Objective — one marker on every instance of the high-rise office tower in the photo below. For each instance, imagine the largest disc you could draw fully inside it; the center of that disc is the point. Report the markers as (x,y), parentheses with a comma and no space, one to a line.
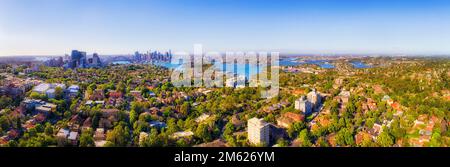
(77,59)
(137,56)
(96,60)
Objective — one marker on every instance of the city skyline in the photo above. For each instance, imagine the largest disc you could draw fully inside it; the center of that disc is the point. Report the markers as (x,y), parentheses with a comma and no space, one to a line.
(48,27)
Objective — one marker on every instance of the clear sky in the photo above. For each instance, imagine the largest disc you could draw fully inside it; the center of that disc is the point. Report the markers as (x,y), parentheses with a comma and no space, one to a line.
(54,27)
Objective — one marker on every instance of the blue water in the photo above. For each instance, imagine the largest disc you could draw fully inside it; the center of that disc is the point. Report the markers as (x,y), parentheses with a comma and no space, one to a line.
(285,62)
(239,69)
(358,64)
(244,69)
(121,62)
(250,70)
(167,65)
(321,63)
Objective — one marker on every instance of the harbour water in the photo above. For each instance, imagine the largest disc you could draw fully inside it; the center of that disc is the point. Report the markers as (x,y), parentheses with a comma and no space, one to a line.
(359,64)
(326,64)
(247,69)
(121,62)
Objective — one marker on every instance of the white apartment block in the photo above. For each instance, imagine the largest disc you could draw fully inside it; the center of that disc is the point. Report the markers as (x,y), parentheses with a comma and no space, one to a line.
(258,131)
(303,105)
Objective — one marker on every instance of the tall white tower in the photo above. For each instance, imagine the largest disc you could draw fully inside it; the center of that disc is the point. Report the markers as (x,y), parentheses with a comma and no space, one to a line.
(258,131)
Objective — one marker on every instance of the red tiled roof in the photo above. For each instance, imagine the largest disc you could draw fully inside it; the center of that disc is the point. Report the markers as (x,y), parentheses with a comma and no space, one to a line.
(435,119)
(422,117)
(87,122)
(110,110)
(447,97)
(28,125)
(361,136)
(425,138)
(20,109)
(12,134)
(294,116)
(115,94)
(40,117)
(332,139)
(396,106)
(74,119)
(3,141)
(298,91)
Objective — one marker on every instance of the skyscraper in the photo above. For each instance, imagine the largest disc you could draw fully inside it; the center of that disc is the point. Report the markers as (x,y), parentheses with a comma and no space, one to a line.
(137,56)
(74,59)
(77,59)
(60,61)
(96,60)
(83,60)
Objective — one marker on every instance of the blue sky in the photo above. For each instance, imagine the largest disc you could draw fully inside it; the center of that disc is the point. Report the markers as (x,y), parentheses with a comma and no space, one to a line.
(54,27)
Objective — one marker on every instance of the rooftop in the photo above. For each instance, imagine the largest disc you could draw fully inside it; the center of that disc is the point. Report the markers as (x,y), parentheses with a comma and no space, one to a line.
(73,136)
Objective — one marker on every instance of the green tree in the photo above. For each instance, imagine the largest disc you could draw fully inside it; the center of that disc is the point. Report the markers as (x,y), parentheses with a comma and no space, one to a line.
(172,126)
(435,139)
(48,129)
(153,140)
(322,142)
(59,93)
(385,139)
(334,108)
(133,117)
(282,143)
(202,133)
(229,130)
(185,109)
(304,138)
(86,139)
(295,129)
(121,87)
(35,95)
(396,130)
(119,136)
(182,143)
(4,122)
(5,102)
(345,137)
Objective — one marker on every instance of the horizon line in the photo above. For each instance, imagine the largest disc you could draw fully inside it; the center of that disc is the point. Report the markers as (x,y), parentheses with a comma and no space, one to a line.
(281,54)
